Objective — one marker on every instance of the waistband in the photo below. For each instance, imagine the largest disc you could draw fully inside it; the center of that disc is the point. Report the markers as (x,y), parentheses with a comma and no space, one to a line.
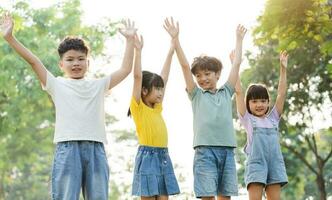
(153,149)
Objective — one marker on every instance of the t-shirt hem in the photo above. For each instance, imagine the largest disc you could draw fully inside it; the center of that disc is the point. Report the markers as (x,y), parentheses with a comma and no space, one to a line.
(80,139)
(215,145)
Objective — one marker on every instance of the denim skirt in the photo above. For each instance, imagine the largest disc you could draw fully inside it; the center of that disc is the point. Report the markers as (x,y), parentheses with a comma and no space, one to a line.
(153,173)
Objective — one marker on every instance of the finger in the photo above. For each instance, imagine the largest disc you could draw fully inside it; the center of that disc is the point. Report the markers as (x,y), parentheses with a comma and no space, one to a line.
(172,21)
(124,22)
(142,41)
(166,28)
(177,26)
(167,22)
(121,31)
(129,23)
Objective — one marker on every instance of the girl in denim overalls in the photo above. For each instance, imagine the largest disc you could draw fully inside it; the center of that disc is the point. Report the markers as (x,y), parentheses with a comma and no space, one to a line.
(154,177)
(265,167)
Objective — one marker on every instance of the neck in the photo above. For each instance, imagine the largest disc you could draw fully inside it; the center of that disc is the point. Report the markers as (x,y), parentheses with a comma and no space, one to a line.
(151,105)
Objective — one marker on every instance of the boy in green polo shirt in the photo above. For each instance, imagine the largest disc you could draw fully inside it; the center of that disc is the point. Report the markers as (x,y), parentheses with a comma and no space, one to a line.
(214,138)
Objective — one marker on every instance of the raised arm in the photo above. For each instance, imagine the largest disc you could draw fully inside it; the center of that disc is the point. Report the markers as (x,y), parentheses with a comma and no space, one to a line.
(128,32)
(173,31)
(282,86)
(6,26)
(233,76)
(239,96)
(137,69)
(167,65)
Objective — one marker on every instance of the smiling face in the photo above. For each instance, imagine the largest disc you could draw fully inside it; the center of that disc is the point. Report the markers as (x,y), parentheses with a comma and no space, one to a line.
(206,70)
(74,64)
(207,79)
(154,96)
(257,100)
(259,107)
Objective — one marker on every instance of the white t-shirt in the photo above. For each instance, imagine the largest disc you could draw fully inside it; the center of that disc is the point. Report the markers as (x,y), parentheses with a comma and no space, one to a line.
(79,107)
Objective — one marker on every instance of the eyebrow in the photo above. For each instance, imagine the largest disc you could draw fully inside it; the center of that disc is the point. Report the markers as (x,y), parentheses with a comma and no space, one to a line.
(74,57)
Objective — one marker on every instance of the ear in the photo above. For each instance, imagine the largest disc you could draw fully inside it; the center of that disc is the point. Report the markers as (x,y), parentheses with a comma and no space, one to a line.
(88,65)
(60,64)
(145,91)
(218,75)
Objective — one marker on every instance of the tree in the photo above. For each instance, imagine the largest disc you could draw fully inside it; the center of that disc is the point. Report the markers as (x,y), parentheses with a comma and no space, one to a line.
(304,28)
(26,112)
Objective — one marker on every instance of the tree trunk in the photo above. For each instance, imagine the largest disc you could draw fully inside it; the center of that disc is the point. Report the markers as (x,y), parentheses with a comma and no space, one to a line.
(321,184)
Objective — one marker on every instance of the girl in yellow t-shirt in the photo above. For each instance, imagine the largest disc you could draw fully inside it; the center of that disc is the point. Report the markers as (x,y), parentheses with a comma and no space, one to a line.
(154,177)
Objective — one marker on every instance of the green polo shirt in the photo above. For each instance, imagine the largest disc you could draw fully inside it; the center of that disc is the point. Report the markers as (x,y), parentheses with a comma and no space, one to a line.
(213,117)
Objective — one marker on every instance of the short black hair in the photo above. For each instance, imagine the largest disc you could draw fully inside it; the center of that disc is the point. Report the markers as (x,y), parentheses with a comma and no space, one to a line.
(206,63)
(256,91)
(72,43)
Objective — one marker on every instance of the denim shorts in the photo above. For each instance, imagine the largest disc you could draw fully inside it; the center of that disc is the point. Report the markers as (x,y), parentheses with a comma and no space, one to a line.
(153,173)
(214,172)
(79,165)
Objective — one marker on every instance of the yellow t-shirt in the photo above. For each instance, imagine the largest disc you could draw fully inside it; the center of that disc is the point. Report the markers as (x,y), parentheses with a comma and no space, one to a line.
(150,126)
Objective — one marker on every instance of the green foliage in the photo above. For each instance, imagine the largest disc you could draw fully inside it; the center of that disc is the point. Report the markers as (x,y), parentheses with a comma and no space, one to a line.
(26,112)
(304,29)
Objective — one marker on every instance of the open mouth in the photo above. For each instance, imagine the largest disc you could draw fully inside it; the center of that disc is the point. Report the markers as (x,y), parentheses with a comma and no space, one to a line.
(76,70)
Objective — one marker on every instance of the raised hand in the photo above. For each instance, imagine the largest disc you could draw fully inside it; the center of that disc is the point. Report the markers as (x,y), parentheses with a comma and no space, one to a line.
(283,59)
(129,29)
(138,42)
(171,27)
(6,25)
(232,56)
(240,32)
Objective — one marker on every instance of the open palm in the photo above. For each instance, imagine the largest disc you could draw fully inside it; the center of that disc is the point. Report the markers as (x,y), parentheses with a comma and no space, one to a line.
(129,29)
(283,59)
(6,25)
(171,28)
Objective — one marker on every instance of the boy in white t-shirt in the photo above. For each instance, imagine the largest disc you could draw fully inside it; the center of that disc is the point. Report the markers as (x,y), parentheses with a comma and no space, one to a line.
(79,161)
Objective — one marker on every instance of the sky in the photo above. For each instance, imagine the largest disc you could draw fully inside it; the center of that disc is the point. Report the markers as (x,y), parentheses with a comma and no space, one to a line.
(206,27)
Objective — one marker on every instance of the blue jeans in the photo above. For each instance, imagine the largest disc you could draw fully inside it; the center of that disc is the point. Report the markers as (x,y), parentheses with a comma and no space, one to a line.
(215,172)
(80,165)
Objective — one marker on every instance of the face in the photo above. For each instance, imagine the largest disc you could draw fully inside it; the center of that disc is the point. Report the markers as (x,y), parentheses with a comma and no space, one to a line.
(258,107)
(74,64)
(153,97)
(206,79)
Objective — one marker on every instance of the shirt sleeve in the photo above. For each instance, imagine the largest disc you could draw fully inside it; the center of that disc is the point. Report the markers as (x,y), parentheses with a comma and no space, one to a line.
(229,88)
(274,114)
(193,93)
(245,120)
(106,83)
(50,83)
(134,107)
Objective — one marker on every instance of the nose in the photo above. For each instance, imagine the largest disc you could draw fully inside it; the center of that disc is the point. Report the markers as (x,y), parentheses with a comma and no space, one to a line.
(76,62)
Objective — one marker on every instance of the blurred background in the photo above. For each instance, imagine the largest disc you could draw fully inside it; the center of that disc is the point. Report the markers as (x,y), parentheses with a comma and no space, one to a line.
(302,27)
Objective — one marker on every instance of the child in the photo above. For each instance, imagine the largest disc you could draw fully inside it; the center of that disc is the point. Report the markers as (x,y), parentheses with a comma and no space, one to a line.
(214,138)
(80,161)
(265,168)
(154,178)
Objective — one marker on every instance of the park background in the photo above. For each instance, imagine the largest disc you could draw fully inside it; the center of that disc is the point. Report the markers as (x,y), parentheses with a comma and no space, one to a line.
(302,27)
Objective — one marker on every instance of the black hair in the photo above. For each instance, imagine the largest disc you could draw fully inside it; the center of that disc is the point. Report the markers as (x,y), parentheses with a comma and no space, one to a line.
(206,63)
(256,91)
(72,43)
(149,81)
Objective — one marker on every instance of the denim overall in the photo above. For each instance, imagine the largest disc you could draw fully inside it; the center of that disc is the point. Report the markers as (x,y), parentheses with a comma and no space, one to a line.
(265,163)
